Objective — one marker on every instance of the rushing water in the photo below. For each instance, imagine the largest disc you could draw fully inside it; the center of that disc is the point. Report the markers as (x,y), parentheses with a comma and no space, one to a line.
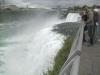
(27,44)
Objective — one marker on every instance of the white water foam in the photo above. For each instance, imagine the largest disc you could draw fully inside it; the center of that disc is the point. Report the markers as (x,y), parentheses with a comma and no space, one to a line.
(35,55)
(29,53)
(73,17)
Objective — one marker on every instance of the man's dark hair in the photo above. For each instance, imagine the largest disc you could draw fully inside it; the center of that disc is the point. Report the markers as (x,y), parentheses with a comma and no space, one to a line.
(84,7)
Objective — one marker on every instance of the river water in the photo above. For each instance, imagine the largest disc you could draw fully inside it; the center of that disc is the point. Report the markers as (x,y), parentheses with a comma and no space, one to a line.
(27,43)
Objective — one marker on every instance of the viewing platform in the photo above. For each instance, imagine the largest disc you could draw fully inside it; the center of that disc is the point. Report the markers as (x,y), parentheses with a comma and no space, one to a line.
(90,60)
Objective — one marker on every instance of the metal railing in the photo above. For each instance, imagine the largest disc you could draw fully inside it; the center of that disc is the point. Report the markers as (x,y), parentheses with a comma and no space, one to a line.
(71,66)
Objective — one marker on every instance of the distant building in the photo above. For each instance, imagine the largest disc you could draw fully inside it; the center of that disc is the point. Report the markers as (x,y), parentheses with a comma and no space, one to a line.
(10,7)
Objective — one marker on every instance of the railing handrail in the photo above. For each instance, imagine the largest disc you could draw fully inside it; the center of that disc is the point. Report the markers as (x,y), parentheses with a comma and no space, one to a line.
(74,54)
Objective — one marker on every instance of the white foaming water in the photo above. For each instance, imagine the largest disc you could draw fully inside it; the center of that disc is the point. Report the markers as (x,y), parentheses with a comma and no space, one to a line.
(31,50)
(73,17)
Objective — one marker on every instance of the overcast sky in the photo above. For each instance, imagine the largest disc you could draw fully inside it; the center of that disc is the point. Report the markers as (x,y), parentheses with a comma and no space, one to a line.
(53,3)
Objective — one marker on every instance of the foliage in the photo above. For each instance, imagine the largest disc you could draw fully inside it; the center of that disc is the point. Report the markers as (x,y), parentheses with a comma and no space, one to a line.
(61,57)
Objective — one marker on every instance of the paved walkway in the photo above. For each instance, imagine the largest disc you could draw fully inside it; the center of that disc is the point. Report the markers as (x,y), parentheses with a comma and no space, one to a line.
(90,60)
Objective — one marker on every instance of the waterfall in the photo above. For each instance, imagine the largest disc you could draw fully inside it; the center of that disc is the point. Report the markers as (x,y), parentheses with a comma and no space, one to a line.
(27,43)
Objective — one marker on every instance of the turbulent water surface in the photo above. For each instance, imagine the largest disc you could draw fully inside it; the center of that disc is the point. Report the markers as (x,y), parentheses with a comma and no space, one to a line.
(27,43)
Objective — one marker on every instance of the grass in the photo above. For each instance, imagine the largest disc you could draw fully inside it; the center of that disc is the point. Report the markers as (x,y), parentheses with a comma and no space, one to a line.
(61,57)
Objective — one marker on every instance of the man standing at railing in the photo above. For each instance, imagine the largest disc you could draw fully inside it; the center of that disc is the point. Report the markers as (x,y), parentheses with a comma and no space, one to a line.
(91,27)
(85,17)
(89,24)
